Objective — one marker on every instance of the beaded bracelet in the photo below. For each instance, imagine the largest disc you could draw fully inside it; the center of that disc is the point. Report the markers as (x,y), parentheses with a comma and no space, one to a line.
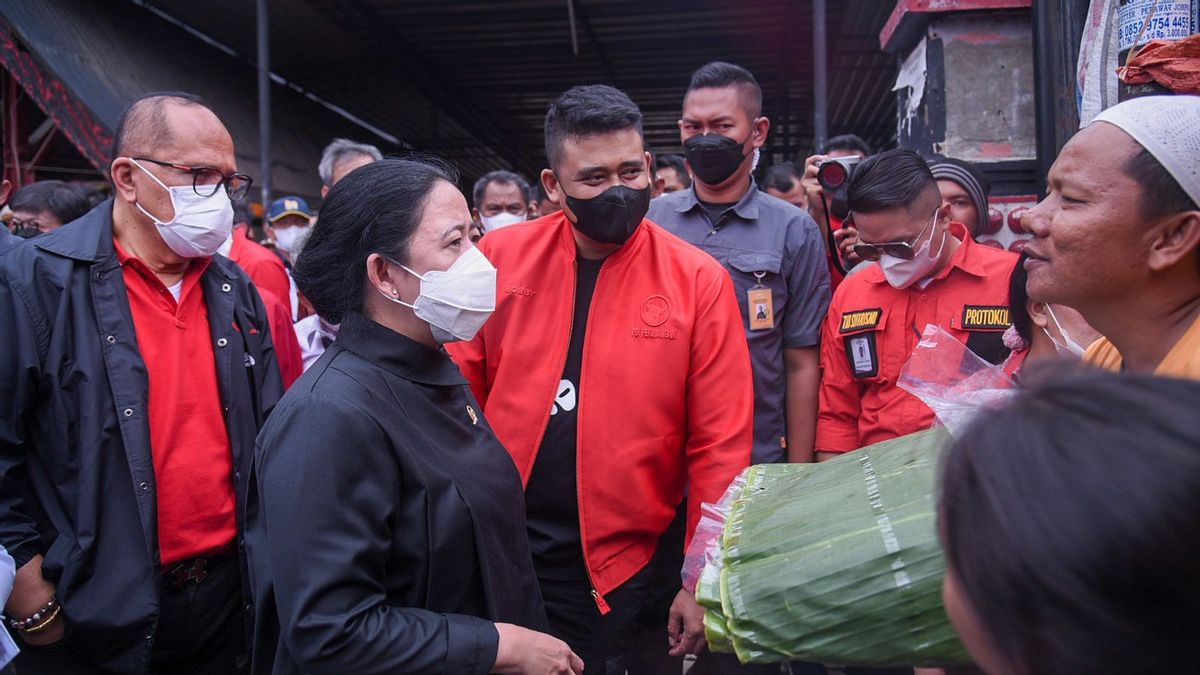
(33,630)
(38,619)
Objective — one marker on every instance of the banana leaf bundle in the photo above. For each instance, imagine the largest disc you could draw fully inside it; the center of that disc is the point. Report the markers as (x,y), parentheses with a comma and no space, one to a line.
(836,562)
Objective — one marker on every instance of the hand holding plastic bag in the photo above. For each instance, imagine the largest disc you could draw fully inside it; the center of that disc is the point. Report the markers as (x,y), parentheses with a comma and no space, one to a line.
(952,380)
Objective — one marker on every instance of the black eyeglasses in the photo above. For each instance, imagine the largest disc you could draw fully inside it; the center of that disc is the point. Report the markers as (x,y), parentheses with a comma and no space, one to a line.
(206,180)
(903,250)
(26,229)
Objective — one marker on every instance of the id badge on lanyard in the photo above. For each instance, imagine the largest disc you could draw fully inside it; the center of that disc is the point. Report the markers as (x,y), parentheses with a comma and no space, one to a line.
(759,307)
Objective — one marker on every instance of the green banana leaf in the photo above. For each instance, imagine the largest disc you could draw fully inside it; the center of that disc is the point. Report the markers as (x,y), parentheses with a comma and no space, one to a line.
(836,562)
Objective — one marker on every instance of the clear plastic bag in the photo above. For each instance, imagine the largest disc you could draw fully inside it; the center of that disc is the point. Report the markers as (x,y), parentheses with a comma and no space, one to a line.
(705,547)
(952,380)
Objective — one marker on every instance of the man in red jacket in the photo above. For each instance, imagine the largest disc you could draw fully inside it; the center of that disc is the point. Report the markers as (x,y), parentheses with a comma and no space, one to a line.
(616,372)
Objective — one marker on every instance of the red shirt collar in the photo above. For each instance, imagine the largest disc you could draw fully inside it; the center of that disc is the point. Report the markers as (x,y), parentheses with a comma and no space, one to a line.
(196,266)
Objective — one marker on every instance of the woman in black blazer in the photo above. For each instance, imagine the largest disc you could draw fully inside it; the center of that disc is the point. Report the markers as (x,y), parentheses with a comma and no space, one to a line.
(386,525)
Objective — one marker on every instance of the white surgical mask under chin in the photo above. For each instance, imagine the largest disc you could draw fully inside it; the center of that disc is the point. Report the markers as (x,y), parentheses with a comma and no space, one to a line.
(1067,345)
(455,302)
(199,225)
(901,273)
(500,220)
(289,239)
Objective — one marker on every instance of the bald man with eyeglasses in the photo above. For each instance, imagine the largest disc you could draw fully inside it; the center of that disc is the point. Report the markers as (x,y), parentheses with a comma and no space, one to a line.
(136,368)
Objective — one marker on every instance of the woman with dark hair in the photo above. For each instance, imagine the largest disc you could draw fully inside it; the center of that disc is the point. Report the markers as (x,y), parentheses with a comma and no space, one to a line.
(1069,521)
(386,524)
(1040,331)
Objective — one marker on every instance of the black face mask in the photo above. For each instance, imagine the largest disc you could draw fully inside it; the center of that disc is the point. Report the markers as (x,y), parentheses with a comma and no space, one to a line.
(714,157)
(611,216)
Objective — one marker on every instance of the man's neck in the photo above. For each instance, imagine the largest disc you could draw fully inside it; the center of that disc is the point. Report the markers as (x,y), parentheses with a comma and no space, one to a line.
(138,237)
(949,248)
(729,192)
(1146,325)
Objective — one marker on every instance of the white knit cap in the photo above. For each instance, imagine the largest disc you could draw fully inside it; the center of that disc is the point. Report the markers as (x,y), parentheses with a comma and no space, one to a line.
(1169,128)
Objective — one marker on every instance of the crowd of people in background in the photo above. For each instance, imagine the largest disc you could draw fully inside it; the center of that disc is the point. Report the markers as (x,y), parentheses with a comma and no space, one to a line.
(402,432)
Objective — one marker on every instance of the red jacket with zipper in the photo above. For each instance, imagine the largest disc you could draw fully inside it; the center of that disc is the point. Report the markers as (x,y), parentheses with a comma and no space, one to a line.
(667,399)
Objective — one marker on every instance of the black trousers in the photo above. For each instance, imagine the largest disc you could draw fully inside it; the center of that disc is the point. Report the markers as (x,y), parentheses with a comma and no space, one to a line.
(602,641)
(200,632)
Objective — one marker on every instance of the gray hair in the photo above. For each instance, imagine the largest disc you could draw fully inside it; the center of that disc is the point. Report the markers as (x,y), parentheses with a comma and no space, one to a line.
(340,149)
(504,178)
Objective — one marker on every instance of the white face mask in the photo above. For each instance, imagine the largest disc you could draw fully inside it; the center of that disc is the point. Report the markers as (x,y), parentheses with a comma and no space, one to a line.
(199,225)
(457,301)
(1067,345)
(500,220)
(901,273)
(290,239)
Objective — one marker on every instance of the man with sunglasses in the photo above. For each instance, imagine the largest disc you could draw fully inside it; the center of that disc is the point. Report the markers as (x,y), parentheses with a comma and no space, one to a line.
(926,270)
(136,368)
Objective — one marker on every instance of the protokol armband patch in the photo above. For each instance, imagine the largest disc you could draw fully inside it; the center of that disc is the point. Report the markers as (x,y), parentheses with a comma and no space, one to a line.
(985,317)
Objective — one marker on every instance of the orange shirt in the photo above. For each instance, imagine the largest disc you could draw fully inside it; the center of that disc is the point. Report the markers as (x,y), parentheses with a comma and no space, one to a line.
(872,329)
(1182,361)
(189,444)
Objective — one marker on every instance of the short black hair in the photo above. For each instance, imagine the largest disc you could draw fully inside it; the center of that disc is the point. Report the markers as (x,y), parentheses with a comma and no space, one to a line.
(504,178)
(1070,518)
(845,142)
(782,177)
(144,121)
(374,209)
(585,111)
(1161,193)
(888,180)
(1018,301)
(677,163)
(55,196)
(719,74)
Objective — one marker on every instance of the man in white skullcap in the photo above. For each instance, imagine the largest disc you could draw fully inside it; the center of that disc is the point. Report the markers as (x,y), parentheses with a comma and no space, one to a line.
(1118,235)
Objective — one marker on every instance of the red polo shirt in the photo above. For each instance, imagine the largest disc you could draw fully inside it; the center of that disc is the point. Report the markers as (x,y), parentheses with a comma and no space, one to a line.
(189,445)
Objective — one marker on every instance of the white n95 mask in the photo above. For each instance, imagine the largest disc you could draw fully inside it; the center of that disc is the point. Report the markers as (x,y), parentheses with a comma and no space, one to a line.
(901,273)
(503,219)
(199,225)
(289,239)
(455,302)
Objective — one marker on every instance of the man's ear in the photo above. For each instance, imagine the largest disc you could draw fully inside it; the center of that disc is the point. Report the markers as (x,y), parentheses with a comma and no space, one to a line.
(5,189)
(1177,240)
(475,215)
(550,183)
(122,178)
(761,127)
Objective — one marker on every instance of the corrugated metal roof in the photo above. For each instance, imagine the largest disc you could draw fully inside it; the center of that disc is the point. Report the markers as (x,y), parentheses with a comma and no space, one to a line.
(489,69)
(467,80)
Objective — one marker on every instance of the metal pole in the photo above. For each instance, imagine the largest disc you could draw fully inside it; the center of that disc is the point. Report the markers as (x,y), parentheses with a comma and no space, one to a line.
(820,75)
(264,102)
